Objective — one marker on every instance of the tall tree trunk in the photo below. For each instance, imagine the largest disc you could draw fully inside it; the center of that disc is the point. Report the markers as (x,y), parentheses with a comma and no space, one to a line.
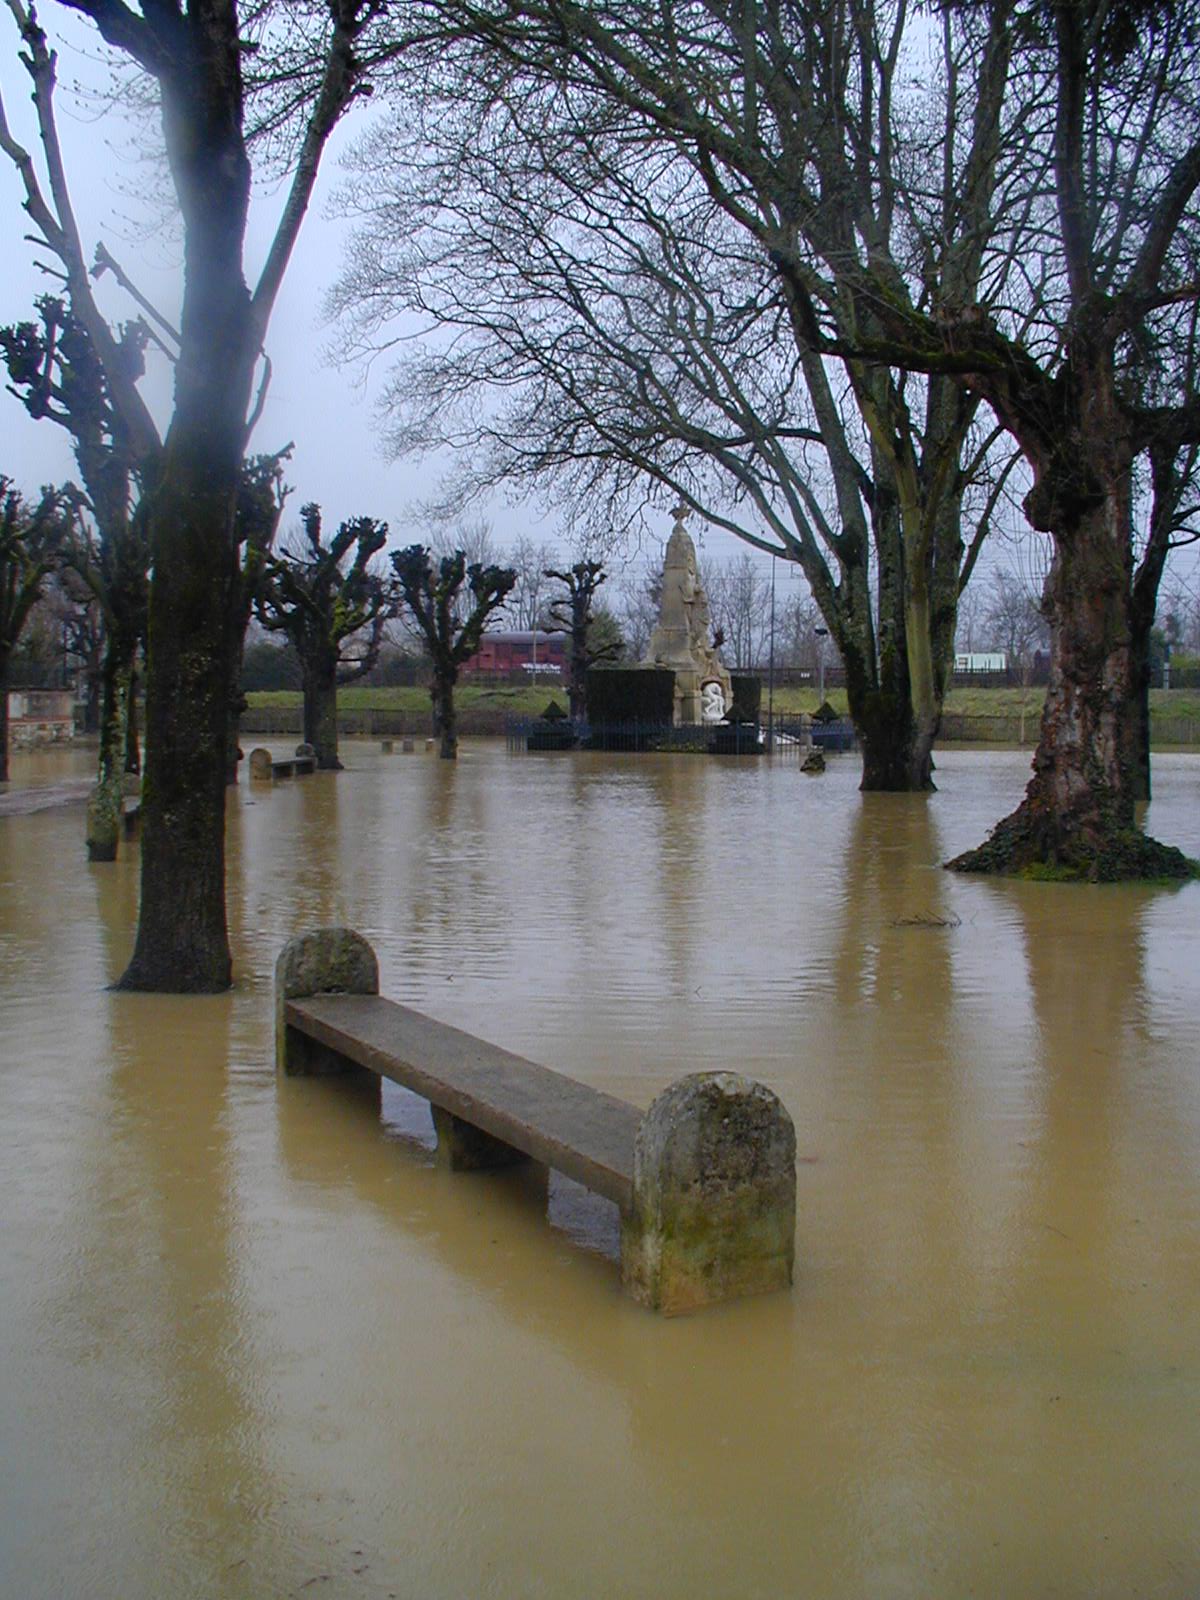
(1140,630)
(896,757)
(182,941)
(445,719)
(233,734)
(133,746)
(1168,484)
(91,703)
(104,804)
(1077,817)
(320,710)
(239,621)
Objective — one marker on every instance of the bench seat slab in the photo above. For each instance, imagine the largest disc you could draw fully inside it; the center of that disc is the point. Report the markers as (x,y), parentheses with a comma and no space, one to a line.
(570,1126)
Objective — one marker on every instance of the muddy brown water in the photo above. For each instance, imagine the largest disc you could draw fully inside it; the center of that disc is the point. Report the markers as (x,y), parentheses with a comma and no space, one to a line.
(253,1344)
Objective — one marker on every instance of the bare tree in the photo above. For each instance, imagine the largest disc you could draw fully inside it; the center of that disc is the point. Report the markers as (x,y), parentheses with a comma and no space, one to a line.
(201,59)
(739,598)
(1096,373)
(797,640)
(31,539)
(332,606)
(528,604)
(626,223)
(636,609)
(576,612)
(449,602)
(54,369)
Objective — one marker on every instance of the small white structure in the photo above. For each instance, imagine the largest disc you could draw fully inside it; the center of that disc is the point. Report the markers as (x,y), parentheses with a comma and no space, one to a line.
(981,661)
(40,716)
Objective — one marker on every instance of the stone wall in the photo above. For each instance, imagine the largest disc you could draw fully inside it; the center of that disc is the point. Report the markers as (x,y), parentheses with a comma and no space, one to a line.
(40,716)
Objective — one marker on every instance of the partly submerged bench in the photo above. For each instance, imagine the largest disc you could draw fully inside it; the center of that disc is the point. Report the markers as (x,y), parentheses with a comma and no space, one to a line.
(705,1179)
(264,765)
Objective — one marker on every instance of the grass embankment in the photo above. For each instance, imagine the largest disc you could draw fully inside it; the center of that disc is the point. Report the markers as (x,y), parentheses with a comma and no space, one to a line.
(991,702)
(521,701)
(531,700)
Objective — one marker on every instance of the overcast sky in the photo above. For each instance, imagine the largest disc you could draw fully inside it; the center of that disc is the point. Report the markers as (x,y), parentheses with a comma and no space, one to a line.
(328,413)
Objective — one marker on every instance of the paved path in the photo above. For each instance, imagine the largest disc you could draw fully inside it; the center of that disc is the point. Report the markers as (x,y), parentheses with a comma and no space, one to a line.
(20,802)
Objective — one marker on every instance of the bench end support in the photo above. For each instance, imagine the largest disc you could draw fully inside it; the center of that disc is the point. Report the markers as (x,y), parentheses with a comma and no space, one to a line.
(322,961)
(462,1147)
(714,1195)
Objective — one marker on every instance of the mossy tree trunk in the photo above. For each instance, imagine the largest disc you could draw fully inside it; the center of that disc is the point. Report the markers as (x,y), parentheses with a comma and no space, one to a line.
(133,737)
(182,940)
(445,716)
(319,681)
(1077,819)
(116,694)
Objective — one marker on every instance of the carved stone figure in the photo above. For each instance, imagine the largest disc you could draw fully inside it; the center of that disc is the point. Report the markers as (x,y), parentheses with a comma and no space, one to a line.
(712,701)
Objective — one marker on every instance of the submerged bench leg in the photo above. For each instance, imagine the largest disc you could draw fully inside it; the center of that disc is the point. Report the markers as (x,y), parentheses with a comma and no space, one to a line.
(462,1147)
(323,961)
(714,1195)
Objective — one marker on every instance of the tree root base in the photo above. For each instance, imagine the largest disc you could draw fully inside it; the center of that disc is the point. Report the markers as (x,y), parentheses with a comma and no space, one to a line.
(1016,850)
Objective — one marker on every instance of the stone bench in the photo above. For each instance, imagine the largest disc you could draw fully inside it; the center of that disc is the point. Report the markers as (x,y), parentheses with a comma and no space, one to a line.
(705,1179)
(264,765)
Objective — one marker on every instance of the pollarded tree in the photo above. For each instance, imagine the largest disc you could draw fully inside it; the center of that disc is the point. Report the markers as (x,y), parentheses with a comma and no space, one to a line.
(575,611)
(31,539)
(54,369)
(449,603)
(202,60)
(333,609)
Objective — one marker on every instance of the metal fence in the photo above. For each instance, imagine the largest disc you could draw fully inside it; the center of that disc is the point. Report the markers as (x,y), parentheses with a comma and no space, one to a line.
(777,735)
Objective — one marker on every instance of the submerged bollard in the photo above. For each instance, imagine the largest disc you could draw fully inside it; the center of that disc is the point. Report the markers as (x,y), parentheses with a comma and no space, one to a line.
(260,763)
(407,747)
(307,751)
(714,1195)
(386,746)
(323,961)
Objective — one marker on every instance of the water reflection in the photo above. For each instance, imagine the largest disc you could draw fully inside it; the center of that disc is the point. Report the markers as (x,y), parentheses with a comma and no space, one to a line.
(254,1342)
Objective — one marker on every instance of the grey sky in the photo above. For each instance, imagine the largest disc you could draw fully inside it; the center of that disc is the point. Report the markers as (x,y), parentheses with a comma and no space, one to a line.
(326,412)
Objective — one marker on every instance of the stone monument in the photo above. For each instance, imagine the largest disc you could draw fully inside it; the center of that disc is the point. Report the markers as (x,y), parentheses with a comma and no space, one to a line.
(682,638)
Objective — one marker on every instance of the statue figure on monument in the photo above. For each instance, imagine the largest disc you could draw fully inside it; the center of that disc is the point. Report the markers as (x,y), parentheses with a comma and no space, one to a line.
(712,701)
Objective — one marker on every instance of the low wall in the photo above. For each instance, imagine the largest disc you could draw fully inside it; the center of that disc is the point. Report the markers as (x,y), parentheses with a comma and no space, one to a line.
(39,717)
(281,720)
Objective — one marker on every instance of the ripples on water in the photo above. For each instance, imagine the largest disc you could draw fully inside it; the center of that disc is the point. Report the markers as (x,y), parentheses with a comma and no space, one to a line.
(255,1343)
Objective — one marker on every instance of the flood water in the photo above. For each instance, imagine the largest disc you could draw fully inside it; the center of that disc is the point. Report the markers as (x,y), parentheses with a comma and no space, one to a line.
(252,1342)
